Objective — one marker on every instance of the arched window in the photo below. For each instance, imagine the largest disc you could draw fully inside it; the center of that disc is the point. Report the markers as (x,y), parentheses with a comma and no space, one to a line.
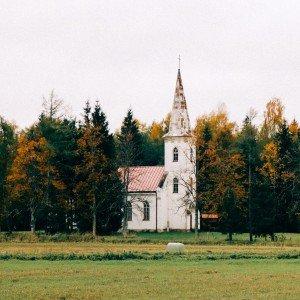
(129,211)
(191,155)
(146,211)
(175,185)
(175,154)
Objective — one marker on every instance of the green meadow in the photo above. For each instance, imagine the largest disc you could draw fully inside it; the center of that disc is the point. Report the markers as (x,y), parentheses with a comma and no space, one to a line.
(168,279)
(137,266)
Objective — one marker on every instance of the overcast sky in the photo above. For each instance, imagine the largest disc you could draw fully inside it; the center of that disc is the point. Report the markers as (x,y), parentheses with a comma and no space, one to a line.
(124,53)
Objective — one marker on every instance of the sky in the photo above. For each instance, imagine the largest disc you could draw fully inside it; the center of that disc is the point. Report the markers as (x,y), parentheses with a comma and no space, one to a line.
(124,54)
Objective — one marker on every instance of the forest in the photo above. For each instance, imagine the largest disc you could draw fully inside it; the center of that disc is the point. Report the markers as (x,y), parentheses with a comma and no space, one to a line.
(62,174)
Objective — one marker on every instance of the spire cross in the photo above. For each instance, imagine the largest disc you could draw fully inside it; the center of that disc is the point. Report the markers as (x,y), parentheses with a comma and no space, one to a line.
(179,60)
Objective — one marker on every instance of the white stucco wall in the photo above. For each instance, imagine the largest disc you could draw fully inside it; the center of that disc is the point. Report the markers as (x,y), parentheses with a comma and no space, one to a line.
(184,170)
(137,222)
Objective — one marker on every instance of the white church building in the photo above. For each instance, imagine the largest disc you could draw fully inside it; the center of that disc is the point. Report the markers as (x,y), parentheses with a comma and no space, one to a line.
(161,198)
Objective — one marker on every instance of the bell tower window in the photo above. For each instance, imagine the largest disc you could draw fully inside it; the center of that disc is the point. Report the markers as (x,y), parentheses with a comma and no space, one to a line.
(175,154)
(175,185)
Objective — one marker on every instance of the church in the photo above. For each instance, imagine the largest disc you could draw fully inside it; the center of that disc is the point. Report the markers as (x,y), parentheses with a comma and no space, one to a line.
(161,198)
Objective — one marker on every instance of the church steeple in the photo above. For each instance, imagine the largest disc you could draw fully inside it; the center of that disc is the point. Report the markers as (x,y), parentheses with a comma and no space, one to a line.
(179,122)
(179,98)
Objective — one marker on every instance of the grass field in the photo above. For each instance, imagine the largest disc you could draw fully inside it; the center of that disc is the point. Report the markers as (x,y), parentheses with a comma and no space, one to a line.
(150,279)
(210,268)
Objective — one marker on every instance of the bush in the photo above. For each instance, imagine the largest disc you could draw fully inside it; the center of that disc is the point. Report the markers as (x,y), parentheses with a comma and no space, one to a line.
(205,238)
(144,256)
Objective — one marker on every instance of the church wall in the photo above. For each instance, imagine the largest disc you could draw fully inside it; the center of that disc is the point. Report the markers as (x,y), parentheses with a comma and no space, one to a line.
(137,222)
(184,170)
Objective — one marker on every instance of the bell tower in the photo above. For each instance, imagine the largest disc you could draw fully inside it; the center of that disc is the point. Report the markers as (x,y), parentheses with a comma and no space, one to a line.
(179,160)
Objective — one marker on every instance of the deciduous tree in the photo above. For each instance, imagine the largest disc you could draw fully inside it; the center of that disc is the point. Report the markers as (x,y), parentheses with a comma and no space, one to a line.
(30,174)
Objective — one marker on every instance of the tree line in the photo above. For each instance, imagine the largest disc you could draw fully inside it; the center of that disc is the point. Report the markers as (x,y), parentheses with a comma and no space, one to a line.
(249,174)
(61,174)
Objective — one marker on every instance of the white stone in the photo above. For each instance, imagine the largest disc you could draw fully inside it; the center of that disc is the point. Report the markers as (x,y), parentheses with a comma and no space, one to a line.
(175,248)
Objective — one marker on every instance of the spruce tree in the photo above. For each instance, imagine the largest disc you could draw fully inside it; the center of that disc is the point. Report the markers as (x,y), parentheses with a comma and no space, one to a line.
(8,142)
(230,215)
(249,148)
(287,187)
(129,142)
(129,147)
(61,135)
(98,188)
(204,162)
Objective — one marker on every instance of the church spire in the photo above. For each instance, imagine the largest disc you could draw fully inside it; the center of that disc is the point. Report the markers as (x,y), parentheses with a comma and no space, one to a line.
(179,122)
(179,98)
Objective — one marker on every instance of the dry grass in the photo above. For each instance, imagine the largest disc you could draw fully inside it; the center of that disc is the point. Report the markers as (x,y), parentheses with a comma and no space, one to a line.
(94,247)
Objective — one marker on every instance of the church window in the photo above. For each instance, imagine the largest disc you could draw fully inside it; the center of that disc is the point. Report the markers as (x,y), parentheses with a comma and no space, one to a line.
(175,154)
(191,155)
(129,211)
(175,185)
(146,211)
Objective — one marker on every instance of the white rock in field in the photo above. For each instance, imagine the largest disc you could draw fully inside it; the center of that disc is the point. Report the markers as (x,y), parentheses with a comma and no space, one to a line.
(175,248)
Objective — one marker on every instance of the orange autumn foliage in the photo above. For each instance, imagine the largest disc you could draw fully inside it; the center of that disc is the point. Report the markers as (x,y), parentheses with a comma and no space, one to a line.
(223,167)
(31,172)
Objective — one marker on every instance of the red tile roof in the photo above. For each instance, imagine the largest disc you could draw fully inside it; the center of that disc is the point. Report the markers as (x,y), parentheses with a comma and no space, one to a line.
(144,178)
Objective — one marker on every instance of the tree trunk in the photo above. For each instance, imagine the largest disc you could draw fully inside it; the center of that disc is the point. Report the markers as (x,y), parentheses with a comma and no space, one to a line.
(125,221)
(70,216)
(32,221)
(197,195)
(272,235)
(250,203)
(94,217)
(200,220)
(230,236)
(196,221)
